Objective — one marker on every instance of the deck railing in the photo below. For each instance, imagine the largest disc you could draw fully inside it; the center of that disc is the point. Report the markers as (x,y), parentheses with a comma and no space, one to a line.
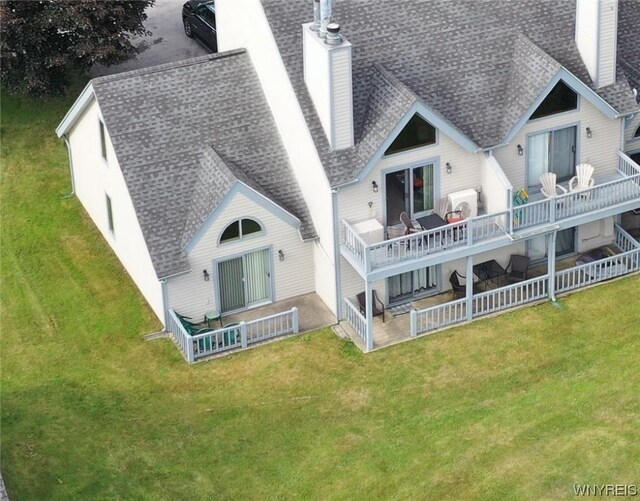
(437,317)
(422,243)
(272,326)
(356,320)
(512,295)
(232,337)
(625,241)
(532,214)
(598,271)
(180,335)
(626,166)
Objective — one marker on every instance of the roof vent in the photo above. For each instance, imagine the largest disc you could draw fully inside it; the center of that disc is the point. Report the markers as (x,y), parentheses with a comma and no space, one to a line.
(333,34)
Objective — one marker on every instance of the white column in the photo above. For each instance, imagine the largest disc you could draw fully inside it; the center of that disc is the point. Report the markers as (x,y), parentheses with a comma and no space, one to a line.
(551,265)
(369,315)
(469,286)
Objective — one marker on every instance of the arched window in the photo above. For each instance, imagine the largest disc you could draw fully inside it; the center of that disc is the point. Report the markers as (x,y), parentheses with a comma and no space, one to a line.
(637,134)
(240,228)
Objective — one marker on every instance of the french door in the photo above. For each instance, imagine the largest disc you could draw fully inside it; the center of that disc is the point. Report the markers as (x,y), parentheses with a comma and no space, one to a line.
(413,284)
(552,151)
(409,190)
(244,281)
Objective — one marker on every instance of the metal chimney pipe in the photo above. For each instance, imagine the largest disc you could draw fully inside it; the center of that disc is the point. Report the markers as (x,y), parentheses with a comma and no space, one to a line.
(333,34)
(325,16)
(316,16)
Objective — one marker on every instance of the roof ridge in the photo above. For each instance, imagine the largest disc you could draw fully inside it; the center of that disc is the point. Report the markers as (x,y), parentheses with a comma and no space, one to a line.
(168,66)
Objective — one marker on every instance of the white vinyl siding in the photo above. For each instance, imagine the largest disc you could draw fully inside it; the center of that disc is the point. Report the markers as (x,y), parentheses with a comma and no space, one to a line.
(599,150)
(191,295)
(92,184)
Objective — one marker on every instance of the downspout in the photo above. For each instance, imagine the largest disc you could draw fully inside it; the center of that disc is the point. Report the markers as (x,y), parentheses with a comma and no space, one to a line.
(336,250)
(73,183)
(165,301)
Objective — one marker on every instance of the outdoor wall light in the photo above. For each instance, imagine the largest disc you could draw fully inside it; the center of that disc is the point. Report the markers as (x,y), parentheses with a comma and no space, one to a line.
(205,275)
(449,168)
(520,150)
(374,185)
(281,255)
(589,133)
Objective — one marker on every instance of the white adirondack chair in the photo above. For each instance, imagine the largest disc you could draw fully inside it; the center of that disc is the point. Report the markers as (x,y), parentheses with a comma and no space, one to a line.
(582,180)
(549,187)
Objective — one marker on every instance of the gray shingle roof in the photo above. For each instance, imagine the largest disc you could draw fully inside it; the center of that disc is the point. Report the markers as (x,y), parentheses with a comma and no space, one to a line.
(183,134)
(466,59)
(629,40)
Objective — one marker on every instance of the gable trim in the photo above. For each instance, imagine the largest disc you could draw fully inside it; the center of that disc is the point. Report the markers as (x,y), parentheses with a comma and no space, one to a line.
(442,126)
(240,188)
(574,84)
(76,110)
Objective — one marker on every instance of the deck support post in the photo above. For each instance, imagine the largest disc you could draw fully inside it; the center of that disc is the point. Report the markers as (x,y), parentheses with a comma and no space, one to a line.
(551,265)
(469,288)
(369,315)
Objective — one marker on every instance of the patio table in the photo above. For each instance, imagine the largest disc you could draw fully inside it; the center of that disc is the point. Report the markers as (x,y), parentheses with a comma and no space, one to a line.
(489,271)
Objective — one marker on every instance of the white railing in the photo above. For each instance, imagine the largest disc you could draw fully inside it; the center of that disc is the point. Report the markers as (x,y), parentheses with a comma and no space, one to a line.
(625,241)
(354,242)
(356,320)
(234,336)
(532,214)
(597,198)
(212,342)
(510,296)
(423,243)
(180,336)
(436,317)
(626,166)
(598,271)
(272,326)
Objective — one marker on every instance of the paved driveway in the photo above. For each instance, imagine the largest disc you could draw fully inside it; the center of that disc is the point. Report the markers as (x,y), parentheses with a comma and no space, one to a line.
(167,42)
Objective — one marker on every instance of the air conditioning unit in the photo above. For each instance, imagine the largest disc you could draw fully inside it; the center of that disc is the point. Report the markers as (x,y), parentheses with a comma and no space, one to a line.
(465,201)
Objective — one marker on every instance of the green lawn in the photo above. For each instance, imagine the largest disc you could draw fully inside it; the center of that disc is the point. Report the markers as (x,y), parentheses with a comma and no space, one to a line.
(516,407)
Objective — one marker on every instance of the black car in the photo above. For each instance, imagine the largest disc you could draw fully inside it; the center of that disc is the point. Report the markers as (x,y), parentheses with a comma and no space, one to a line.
(199,20)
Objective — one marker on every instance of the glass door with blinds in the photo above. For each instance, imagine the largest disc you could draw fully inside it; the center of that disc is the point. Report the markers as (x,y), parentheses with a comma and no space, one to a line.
(551,151)
(412,285)
(409,190)
(245,281)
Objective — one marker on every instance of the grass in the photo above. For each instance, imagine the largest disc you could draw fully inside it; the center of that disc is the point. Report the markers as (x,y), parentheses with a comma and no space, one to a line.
(516,407)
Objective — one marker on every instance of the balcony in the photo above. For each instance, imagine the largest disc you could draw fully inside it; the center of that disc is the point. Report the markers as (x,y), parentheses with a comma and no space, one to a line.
(500,228)
(437,312)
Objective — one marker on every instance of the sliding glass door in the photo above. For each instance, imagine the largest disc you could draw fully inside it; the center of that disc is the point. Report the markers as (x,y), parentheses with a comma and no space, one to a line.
(409,190)
(565,244)
(412,285)
(244,281)
(552,151)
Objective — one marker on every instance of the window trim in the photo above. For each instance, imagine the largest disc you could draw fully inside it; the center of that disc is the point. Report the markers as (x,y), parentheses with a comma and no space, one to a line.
(103,139)
(240,236)
(636,134)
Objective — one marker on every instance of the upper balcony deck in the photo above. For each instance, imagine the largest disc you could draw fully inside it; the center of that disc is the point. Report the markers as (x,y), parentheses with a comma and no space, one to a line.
(497,229)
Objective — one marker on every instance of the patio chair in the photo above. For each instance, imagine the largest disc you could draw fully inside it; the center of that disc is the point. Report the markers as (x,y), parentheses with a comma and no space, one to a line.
(582,180)
(378,307)
(517,268)
(410,225)
(460,290)
(549,187)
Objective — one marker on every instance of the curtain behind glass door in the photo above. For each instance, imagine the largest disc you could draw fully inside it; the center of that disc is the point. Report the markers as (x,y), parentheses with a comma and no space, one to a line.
(231,284)
(258,276)
(537,157)
(423,188)
(563,153)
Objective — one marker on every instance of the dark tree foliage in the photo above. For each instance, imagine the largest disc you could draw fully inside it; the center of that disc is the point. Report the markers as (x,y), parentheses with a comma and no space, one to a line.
(41,41)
